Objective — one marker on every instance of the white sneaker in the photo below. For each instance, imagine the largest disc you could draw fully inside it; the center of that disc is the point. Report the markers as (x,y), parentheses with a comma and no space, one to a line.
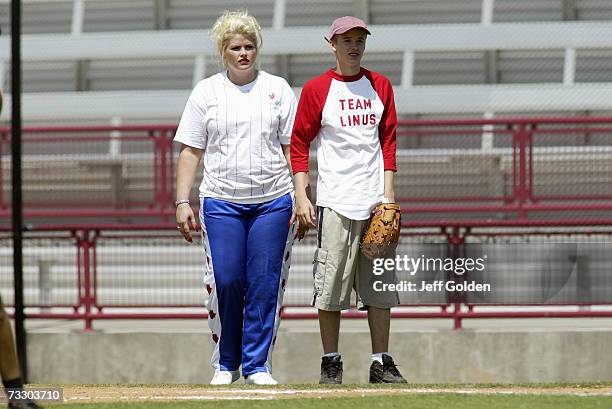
(225,377)
(261,378)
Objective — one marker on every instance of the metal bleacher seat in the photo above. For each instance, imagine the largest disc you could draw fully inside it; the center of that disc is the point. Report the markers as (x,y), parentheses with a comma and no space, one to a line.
(193,14)
(425,12)
(39,17)
(316,12)
(95,181)
(430,67)
(541,10)
(444,176)
(114,15)
(139,74)
(442,81)
(595,10)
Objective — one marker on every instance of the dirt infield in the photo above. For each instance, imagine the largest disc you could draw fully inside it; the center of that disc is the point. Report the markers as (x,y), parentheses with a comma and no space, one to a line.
(119,393)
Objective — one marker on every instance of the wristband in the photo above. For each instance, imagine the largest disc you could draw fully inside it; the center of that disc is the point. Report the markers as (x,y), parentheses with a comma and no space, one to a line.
(181,201)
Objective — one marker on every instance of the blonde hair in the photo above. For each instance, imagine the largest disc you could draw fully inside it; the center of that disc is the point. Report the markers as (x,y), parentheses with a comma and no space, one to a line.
(234,22)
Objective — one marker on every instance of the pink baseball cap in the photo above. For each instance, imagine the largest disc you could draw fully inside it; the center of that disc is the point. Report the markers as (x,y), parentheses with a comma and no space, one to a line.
(344,24)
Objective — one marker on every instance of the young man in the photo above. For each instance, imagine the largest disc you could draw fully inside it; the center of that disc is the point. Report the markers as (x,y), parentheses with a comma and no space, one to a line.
(351,113)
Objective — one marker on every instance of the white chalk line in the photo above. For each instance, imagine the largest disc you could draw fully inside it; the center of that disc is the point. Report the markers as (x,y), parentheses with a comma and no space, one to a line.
(270,394)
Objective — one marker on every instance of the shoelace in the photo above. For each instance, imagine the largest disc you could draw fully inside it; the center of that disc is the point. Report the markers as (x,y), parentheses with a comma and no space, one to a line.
(393,369)
(333,369)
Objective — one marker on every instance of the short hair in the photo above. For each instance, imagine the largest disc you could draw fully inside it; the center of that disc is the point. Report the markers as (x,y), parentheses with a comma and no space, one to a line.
(233,22)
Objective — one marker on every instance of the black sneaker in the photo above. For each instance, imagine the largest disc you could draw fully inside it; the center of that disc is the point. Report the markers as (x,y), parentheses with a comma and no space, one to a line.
(23,404)
(331,370)
(386,372)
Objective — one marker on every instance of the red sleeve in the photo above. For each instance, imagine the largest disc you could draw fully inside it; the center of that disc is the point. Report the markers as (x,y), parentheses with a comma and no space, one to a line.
(307,121)
(388,123)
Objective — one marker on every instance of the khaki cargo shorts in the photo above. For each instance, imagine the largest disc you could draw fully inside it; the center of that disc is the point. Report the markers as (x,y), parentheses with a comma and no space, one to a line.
(339,267)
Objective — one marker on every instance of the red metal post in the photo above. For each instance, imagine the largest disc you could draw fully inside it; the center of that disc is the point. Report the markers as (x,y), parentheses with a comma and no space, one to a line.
(530,162)
(457,316)
(515,183)
(522,170)
(94,266)
(79,244)
(163,167)
(155,170)
(455,243)
(2,140)
(87,279)
(169,136)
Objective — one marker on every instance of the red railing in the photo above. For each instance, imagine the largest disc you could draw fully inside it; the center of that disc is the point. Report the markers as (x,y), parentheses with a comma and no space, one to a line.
(520,148)
(88,305)
(523,200)
(155,140)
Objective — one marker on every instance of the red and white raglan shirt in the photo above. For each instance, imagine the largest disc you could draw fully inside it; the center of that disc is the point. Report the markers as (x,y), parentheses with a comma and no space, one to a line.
(354,121)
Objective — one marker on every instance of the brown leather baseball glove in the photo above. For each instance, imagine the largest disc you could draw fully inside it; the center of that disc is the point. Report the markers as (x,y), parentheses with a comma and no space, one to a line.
(382,234)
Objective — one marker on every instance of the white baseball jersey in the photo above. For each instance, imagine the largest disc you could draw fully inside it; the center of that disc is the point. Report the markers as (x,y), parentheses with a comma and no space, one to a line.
(241,129)
(354,121)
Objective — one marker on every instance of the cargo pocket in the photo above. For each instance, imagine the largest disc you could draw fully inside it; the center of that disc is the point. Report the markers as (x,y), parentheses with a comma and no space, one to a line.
(320,261)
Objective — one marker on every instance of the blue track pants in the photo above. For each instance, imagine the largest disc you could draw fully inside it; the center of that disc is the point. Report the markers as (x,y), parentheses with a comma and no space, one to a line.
(248,250)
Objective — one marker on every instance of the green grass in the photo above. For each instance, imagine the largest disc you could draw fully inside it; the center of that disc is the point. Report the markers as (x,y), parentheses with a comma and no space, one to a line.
(487,397)
(309,386)
(422,401)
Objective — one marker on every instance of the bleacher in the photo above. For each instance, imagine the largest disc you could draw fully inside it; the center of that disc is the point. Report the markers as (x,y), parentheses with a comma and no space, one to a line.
(82,49)
(135,62)
(112,61)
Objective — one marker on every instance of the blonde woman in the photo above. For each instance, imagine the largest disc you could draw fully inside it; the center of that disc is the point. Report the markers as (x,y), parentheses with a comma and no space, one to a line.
(239,121)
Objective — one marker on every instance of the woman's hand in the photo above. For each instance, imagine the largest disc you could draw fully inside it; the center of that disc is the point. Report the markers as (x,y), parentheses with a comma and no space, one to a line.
(185,216)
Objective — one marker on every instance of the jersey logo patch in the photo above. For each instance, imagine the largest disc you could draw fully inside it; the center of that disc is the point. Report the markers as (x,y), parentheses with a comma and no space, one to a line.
(272,95)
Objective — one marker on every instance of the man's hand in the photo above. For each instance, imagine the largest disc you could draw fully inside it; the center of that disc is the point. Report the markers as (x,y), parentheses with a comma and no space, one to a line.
(304,212)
